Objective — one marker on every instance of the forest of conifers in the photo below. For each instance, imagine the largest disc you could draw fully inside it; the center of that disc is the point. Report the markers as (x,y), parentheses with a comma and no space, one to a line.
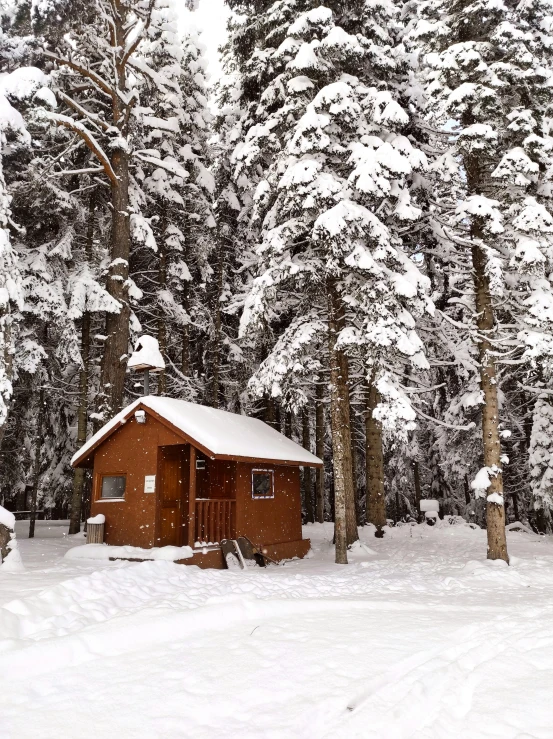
(350,237)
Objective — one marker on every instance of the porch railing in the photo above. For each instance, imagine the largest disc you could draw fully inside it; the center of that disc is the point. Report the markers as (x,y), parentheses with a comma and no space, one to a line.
(214,520)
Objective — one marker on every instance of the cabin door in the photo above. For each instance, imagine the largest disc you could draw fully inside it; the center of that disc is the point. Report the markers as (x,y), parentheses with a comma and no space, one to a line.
(172,496)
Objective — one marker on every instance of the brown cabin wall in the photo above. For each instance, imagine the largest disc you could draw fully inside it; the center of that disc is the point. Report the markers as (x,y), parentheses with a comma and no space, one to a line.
(132,450)
(272,520)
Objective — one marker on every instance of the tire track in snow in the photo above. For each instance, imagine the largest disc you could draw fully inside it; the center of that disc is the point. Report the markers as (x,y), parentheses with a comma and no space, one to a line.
(430,690)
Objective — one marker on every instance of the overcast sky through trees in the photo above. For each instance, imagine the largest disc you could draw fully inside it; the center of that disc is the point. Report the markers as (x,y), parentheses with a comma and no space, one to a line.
(210,19)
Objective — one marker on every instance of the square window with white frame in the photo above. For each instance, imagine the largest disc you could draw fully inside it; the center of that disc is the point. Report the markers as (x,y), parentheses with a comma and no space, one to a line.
(113,487)
(263,484)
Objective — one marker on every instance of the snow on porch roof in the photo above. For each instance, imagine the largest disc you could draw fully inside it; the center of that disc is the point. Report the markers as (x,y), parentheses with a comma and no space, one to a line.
(221,433)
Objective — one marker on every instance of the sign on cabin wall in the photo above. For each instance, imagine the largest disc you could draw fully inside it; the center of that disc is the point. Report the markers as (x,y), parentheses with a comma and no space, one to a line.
(149,483)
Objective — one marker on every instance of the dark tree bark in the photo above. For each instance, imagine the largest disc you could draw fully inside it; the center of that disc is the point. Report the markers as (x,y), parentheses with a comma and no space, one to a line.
(162,285)
(376,498)
(8,365)
(185,338)
(478,175)
(288,424)
(37,458)
(319,451)
(495,513)
(307,481)
(340,425)
(418,490)
(215,349)
(116,346)
(466,486)
(82,412)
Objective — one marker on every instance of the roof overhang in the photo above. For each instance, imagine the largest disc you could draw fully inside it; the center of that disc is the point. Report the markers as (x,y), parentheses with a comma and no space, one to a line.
(86,459)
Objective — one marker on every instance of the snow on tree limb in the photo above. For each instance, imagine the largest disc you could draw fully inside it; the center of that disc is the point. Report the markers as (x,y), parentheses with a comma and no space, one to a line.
(87,136)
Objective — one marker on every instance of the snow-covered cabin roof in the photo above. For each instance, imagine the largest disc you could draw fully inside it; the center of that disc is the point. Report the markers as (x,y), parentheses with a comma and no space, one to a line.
(217,433)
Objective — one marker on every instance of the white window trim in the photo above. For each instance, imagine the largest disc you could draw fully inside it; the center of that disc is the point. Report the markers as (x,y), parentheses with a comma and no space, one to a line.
(264,497)
(100,499)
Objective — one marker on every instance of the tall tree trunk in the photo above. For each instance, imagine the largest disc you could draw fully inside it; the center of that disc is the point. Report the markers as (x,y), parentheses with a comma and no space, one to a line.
(162,285)
(340,424)
(7,349)
(466,486)
(418,490)
(376,499)
(37,458)
(478,170)
(82,412)
(307,482)
(354,471)
(514,498)
(495,511)
(288,424)
(270,413)
(116,346)
(185,337)
(216,342)
(319,451)
(82,418)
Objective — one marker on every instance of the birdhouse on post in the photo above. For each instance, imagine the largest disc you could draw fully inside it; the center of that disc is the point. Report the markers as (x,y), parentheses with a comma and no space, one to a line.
(146,358)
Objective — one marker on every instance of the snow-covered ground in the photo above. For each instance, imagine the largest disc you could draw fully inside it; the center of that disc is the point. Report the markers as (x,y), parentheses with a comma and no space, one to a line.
(419,637)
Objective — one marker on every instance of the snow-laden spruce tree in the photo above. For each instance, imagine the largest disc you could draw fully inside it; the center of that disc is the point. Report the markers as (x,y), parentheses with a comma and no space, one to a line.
(173,226)
(541,464)
(488,73)
(11,296)
(95,48)
(335,181)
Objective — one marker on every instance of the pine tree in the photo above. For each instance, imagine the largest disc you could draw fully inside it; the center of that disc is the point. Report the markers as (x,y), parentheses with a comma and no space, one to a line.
(11,294)
(174,226)
(541,464)
(96,48)
(331,271)
(488,71)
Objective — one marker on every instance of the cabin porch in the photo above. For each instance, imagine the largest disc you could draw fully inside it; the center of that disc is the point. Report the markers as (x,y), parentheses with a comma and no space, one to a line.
(196,498)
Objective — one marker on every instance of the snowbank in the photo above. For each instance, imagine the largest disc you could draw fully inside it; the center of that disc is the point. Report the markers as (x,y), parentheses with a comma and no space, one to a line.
(13,562)
(105,551)
(7,518)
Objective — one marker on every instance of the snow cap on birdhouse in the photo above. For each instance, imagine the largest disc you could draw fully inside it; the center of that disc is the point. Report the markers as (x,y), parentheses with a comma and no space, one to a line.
(146,355)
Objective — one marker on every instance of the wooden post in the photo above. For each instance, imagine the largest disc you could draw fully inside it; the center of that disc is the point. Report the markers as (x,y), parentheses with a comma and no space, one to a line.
(192,498)
(95,533)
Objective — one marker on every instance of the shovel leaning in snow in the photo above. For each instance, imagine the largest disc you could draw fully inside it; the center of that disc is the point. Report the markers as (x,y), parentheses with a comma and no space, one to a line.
(239,551)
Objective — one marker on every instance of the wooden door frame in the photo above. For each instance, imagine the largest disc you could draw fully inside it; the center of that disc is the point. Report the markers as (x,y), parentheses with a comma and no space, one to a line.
(181,539)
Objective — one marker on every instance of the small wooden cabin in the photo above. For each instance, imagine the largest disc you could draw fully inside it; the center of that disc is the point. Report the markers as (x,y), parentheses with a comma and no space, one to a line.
(169,472)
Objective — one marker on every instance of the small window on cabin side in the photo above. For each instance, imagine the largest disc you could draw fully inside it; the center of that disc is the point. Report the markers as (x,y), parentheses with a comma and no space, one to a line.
(113,486)
(263,484)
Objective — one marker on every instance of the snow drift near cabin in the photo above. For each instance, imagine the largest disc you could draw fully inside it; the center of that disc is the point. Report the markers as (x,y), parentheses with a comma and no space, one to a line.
(105,552)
